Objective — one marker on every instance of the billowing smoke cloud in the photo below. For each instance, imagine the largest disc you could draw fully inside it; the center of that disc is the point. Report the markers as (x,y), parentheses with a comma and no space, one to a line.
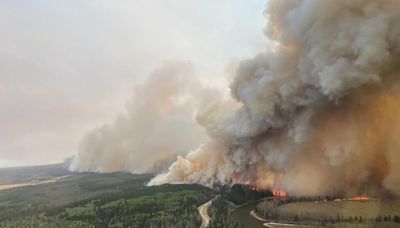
(318,114)
(159,125)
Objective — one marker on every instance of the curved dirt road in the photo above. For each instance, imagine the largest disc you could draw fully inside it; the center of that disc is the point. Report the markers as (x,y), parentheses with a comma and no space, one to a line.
(203,211)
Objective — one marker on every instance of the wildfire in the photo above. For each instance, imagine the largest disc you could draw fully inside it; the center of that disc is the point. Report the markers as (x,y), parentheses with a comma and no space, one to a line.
(360,198)
(354,198)
(279,193)
(254,188)
(279,196)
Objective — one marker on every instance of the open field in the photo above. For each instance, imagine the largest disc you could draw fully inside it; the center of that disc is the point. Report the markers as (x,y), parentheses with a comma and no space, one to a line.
(370,209)
(377,212)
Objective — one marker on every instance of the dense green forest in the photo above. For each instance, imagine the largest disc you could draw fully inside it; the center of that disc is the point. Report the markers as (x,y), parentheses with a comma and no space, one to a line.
(110,200)
(218,212)
(102,200)
(230,197)
(240,194)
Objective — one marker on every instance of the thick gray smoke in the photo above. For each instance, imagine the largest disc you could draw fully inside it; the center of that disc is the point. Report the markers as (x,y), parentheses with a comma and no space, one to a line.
(319,114)
(158,125)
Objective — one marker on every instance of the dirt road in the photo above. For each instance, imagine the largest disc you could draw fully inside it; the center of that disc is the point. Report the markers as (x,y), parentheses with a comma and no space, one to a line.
(203,211)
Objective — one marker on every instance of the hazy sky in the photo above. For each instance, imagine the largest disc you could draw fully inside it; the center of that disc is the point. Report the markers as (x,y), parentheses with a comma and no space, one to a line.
(69,66)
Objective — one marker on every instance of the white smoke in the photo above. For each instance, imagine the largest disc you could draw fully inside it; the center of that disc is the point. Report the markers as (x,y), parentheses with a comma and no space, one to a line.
(159,125)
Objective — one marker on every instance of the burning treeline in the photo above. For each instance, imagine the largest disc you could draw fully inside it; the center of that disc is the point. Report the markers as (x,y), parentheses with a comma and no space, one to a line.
(317,113)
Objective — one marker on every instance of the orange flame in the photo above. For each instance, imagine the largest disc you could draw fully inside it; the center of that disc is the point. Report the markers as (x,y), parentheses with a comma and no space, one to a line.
(254,188)
(360,198)
(279,193)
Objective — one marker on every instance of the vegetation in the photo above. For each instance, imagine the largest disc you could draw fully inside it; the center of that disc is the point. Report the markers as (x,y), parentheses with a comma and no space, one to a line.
(110,200)
(240,194)
(218,212)
(230,198)
(102,200)
(334,213)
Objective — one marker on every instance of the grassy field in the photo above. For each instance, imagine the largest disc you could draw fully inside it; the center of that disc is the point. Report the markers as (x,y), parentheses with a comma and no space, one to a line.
(363,213)
(97,200)
(370,209)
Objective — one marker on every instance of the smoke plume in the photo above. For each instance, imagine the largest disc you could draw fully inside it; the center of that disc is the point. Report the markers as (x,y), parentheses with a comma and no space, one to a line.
(319,114)
(157,126)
